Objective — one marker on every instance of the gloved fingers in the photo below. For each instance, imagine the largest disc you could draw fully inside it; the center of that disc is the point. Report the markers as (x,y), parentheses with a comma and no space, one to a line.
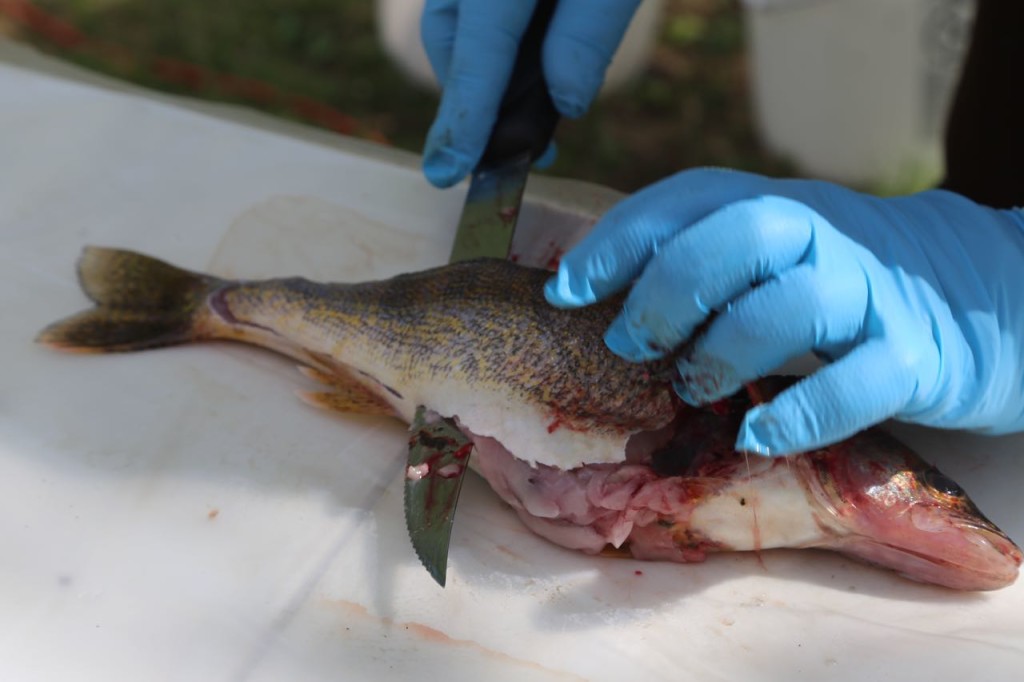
(615,252)
(870,384)
(437,32)
(804,309)
(580,43)
(704,268)
(486,42)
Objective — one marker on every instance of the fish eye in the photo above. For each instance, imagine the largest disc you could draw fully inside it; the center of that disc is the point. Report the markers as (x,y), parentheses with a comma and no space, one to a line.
(943,484)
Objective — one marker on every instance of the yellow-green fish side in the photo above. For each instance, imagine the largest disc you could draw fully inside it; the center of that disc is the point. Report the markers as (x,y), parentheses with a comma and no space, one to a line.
(473,340)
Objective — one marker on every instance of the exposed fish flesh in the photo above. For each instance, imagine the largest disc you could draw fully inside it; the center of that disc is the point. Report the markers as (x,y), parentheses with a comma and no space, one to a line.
(592,451)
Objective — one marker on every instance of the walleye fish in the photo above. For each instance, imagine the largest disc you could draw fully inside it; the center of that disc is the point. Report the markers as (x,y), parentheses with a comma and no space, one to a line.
(593,452)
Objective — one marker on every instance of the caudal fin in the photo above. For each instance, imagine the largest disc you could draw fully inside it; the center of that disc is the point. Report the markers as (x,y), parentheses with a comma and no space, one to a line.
(141,302)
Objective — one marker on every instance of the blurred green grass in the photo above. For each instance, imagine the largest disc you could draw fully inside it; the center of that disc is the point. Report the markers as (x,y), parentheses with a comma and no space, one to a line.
(690,107)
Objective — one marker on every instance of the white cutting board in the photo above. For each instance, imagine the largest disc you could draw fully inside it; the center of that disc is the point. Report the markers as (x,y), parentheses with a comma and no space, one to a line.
(179,515)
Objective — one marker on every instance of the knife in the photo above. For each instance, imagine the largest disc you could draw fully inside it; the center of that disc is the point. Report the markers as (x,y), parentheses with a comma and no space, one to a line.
(438,450)
(526,121)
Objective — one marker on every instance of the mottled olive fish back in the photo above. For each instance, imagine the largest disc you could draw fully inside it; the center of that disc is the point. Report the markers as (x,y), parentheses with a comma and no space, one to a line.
(484,322)
(488,321)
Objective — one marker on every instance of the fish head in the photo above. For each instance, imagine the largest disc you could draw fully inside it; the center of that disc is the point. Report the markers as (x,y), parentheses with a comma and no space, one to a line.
(901,512)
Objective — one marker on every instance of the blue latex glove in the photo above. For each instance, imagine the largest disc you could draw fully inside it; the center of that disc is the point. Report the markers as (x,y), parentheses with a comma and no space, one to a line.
(917,301)
(472,47)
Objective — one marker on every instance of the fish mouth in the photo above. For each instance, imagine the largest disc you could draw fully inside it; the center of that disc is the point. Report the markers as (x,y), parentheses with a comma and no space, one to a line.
(964,553)
(986,533)
(995,571)
(911,529)
(968,542)
(985,527)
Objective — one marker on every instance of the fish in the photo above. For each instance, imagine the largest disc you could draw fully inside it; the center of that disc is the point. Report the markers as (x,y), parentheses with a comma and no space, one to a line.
(594,453)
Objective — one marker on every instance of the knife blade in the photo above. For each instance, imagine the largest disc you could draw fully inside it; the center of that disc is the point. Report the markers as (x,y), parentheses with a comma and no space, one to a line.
(438,458)
(526,122)
(438,451)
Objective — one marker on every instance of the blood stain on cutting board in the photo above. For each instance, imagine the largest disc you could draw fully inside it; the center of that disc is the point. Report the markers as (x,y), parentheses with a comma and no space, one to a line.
(354,611)
(320,240)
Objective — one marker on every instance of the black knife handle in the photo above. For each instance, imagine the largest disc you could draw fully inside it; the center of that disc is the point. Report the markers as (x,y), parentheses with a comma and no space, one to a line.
(527,117)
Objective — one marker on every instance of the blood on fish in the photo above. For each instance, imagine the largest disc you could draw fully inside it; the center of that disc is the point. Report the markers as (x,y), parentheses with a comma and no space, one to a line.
(720,407)
(559,420)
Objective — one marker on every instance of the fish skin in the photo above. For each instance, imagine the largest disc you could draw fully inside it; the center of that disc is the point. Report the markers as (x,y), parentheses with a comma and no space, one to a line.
(474,339)
(477,341)
(460,340)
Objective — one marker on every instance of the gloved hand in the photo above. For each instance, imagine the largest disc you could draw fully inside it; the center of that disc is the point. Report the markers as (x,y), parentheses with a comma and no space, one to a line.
(917,301)
(472,47)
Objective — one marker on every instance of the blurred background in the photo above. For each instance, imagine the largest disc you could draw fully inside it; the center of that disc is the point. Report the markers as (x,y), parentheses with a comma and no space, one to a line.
(777,87)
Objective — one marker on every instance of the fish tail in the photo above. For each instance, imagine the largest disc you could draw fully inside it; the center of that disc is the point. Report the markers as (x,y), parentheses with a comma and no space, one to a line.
(141,302)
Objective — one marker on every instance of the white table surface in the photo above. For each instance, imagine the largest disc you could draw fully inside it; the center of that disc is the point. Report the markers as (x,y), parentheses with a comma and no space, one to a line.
(179,515)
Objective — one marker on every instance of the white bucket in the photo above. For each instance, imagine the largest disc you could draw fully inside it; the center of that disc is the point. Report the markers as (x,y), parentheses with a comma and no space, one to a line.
(398,26)
(857,91)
